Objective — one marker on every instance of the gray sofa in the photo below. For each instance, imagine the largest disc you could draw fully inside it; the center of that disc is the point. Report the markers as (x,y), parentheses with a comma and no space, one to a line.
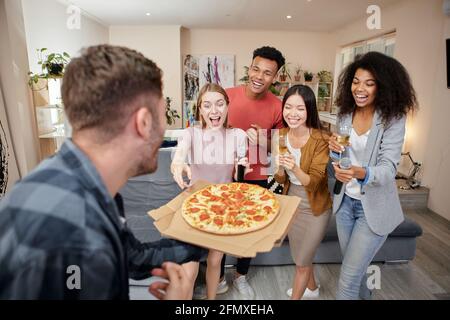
(147,192)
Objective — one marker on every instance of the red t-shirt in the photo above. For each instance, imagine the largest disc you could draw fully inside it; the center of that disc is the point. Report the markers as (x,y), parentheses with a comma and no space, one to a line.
(264,112)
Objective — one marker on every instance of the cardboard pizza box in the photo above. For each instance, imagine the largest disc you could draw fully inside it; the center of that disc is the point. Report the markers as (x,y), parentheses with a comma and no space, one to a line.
(169,221)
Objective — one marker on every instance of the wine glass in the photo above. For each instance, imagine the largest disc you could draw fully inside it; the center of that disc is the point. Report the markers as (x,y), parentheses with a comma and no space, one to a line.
(282,146)
(343,137)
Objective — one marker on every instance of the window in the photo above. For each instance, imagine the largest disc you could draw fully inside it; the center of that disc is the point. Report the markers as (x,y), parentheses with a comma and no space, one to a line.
(384,44)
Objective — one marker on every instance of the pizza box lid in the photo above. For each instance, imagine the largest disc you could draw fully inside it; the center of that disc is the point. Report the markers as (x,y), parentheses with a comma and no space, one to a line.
(169,221)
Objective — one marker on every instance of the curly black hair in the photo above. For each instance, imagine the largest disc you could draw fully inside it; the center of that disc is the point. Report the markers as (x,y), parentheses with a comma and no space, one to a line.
(270,53)
(395,95)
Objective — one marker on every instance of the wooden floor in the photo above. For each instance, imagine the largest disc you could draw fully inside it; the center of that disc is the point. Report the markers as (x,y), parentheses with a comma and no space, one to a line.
(426,277)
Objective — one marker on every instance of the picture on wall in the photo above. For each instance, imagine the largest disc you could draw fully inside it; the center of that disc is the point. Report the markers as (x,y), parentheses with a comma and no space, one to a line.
(188,113)
(217,69)
(199,70)
(190,77)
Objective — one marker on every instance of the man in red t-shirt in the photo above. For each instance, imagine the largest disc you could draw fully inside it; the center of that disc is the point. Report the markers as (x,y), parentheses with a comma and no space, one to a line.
(254,109)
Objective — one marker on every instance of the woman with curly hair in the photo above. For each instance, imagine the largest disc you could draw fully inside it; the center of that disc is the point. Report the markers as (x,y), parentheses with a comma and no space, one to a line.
(375,95)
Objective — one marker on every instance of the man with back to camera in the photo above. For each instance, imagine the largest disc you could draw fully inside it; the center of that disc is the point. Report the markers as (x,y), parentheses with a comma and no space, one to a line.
(62,217)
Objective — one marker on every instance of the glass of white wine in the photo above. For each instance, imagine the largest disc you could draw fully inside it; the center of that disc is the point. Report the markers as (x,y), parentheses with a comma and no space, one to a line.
(282,146)
(343,137)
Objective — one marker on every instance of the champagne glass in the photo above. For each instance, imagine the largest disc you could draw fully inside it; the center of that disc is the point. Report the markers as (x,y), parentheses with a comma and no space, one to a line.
(344,135)
(282,147)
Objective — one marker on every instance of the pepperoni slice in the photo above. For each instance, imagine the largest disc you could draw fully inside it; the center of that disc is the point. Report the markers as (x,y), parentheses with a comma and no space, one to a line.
(244,187)
(224,188)
(233,213)
(264,198)
(248,203)
(238,195)
(267,209)
(206,193)
(258,218)
(194,210)
(238,223)
(204,217)
(225,194)
(194,200)
(218,221)
(250,212)
(215,198)
(218,210)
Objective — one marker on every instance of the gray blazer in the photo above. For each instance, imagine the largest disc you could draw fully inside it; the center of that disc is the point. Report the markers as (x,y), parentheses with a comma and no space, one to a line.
(379,196)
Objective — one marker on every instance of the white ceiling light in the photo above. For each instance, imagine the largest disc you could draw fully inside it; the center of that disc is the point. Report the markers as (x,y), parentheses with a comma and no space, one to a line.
(288,17)
(147,14)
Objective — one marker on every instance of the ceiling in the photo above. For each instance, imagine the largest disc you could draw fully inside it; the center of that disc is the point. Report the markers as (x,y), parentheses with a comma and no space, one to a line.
(307,15)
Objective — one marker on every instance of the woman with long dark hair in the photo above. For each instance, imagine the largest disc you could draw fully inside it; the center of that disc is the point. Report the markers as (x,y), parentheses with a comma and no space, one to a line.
(374,95)
(302,170)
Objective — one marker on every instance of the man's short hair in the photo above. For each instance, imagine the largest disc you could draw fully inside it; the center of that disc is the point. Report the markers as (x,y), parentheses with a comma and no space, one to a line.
(104,86)
(270,53)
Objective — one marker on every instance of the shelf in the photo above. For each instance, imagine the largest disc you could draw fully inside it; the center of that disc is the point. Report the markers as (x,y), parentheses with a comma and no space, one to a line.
(173,134)
(328,117)
(58,132)
(51,106)
(52,135)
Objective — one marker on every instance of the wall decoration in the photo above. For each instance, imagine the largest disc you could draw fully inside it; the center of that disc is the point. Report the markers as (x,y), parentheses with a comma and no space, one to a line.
(188,113)
(4,155)
(199,70)
(217,69)
(190,77)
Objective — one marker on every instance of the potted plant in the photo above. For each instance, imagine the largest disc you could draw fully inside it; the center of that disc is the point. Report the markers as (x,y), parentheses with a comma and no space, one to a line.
(298,73)
(285,73)
(309,76)
(245,79)
(325,76)
(52,66)
(171,114)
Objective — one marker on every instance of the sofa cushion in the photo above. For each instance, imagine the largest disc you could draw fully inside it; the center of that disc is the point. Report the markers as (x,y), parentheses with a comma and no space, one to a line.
(408,228)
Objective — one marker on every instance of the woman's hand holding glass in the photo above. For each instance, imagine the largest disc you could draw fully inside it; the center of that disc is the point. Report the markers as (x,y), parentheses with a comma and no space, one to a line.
(287,161)
(338,141)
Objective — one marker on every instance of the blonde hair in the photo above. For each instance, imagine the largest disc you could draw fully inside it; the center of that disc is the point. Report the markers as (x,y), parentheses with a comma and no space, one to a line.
(210,87)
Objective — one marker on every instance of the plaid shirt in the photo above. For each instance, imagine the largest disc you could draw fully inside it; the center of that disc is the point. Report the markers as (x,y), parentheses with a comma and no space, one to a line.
(62,236)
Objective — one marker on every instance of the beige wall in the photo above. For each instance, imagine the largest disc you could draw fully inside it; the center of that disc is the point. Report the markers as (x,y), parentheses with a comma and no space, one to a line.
(17,100)
(48,29)
(314,51)
(421,29)
(160,44)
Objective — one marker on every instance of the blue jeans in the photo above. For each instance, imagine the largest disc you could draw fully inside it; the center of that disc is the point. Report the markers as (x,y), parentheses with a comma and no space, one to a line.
(359,245)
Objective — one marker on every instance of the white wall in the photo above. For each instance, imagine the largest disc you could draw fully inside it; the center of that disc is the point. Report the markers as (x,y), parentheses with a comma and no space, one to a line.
(421,29)
(161,44)
(314,51)
(46,27)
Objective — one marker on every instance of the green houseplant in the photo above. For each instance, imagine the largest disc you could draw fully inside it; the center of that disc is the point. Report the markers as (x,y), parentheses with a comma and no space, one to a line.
(52,65)
(325,76)
(245,78)
(171,114)
(298,73)
(309,76)
(285,72)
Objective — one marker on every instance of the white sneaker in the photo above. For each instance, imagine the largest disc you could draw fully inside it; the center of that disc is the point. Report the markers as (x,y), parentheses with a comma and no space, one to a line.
(200,291)
(309,294)
(243,287)
(222,287)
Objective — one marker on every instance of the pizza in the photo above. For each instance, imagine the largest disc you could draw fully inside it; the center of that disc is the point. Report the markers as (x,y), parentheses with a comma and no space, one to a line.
(231,208)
